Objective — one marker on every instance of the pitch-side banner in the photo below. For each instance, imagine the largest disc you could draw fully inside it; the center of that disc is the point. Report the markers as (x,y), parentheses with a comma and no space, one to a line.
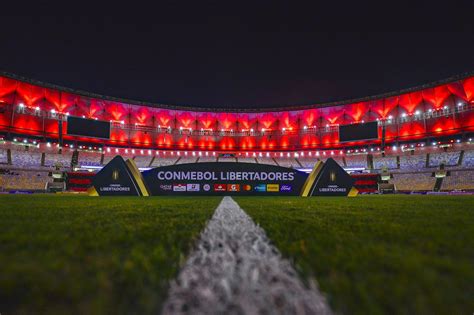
(224,179)
(120,178)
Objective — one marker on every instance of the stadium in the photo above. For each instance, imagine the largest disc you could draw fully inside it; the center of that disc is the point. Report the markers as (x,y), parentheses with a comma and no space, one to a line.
(402,245)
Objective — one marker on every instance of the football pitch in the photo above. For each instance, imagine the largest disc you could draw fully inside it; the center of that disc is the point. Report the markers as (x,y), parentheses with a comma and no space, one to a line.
(369,255)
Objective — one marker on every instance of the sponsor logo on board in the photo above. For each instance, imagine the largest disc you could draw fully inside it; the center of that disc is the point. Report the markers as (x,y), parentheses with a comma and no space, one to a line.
(247,187)
(179,187)
(233,187)
(220,187)
(260,188)
(206,187)
(166,187)
(273,187)
(193,187)
(285,188)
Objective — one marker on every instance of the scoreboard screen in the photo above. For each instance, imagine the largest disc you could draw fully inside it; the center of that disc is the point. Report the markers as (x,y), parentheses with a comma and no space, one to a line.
(358,132)
(88,127)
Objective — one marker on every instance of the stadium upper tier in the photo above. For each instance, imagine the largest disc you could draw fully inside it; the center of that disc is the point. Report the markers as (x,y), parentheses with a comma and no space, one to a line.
(37,109)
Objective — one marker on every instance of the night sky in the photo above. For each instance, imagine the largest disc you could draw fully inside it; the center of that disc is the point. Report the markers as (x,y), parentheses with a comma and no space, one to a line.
(214,54)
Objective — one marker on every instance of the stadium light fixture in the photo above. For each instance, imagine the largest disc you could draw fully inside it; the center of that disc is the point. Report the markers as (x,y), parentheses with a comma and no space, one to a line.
(37,108)
(21,105)
(53,111)
(394,148)
(133,151)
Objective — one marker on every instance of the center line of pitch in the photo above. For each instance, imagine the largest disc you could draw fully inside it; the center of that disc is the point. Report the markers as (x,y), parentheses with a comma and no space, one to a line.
(234,269)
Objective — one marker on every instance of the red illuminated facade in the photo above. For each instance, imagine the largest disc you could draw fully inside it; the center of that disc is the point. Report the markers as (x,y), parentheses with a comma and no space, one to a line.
(437,110)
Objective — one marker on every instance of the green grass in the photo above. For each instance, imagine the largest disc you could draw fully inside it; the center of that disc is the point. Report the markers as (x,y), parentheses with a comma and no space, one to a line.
(71,254)
(378,254)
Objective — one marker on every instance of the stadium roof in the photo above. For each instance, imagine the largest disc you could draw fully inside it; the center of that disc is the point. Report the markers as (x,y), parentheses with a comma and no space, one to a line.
(223,109)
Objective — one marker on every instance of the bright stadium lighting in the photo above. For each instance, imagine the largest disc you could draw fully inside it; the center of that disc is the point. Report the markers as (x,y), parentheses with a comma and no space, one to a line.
(458,140)
(141,151)
(394,148)
(21,105)
(37,108)
(53,111)
(404,115)
(126,150)
(25,141)
(417,112)
(434,143)
(133,151)
(108,149)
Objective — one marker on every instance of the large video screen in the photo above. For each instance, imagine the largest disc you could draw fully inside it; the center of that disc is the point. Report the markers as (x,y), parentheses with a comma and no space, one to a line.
(357,132)
(88,127)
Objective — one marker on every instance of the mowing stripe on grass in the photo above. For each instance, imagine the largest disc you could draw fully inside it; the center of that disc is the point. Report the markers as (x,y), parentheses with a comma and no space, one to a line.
(236,270)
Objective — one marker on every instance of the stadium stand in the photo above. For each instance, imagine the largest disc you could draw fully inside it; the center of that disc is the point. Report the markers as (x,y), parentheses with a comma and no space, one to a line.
(142,161)
(55,158)
(203,159)
(89,158)
(389,162)
(356,161)
(26,157)
(266,160)
(459,180)
(23,180)
(3,156)
(413,162)
(163,161)
(468,159)
(187,159)
(287,162)
(446,158)
(246,160)
(255,136)
(413,181)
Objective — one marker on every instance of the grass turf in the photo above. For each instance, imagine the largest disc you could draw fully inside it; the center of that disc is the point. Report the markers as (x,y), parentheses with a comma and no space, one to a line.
(378,254)
(71,254)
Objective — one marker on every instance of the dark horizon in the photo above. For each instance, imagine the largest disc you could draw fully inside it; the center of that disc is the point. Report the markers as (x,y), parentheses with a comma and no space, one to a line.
(264,56)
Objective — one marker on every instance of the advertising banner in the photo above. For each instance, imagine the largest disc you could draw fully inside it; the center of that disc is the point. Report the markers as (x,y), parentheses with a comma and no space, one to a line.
(120,178)
(224,179)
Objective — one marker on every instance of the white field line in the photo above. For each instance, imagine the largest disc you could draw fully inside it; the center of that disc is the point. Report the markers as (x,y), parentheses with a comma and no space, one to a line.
(235,270)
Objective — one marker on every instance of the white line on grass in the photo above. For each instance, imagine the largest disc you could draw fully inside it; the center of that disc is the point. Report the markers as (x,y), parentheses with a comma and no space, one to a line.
(235,270)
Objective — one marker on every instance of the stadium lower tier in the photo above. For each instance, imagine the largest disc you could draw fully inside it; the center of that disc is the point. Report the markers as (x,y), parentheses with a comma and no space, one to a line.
(27,167)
